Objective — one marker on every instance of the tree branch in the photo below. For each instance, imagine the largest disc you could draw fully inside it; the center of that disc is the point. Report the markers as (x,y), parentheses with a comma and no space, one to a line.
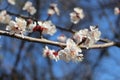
(34,19)
(59,44)
(30,39)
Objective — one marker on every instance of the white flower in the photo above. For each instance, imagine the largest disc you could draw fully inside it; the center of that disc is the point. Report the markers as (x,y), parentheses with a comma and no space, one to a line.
(21,23)
(77,37)
(80,35)
(4,17)
(7,19)
(32,10)
(79,11)
(29,7)
(62,38)
(17,26)
(46,51)
(95,33)
(76,15)
(74,18)
(71,45)
(12,27)
(79,57)
(87,37)
(52,54)
(53,9)
(70,52)
(48,27)
(12,2)
(93,36)
(116,10)
(63,55)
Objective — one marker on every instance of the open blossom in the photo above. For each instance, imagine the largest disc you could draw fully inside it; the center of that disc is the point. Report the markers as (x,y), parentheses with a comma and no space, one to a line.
(62,38)
(71,52)
(29,7)
(93,37)
(87,37)
(47,27)
(95,33)
(12,27)
(52,54)
(4,17)
(77,15)
(80,35)
(32,10)
(18,26)
(53,9)
(116,10)
(12,2)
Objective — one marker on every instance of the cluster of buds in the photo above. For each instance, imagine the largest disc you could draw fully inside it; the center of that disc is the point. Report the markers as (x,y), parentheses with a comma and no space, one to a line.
(72,51)
(116,10)
(29,8)
(4,17)
(53,9)
(21,26)
(77,15)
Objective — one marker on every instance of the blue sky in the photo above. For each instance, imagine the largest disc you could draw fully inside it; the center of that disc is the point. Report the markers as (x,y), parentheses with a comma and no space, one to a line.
(108,67)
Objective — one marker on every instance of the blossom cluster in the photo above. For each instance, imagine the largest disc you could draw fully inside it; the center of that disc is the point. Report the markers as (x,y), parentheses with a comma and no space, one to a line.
(72,51)
(87,37)
(17,26)
(21,26)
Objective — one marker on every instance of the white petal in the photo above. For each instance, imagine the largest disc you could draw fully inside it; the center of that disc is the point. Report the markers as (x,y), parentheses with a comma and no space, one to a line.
(27,5)
(12,2)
